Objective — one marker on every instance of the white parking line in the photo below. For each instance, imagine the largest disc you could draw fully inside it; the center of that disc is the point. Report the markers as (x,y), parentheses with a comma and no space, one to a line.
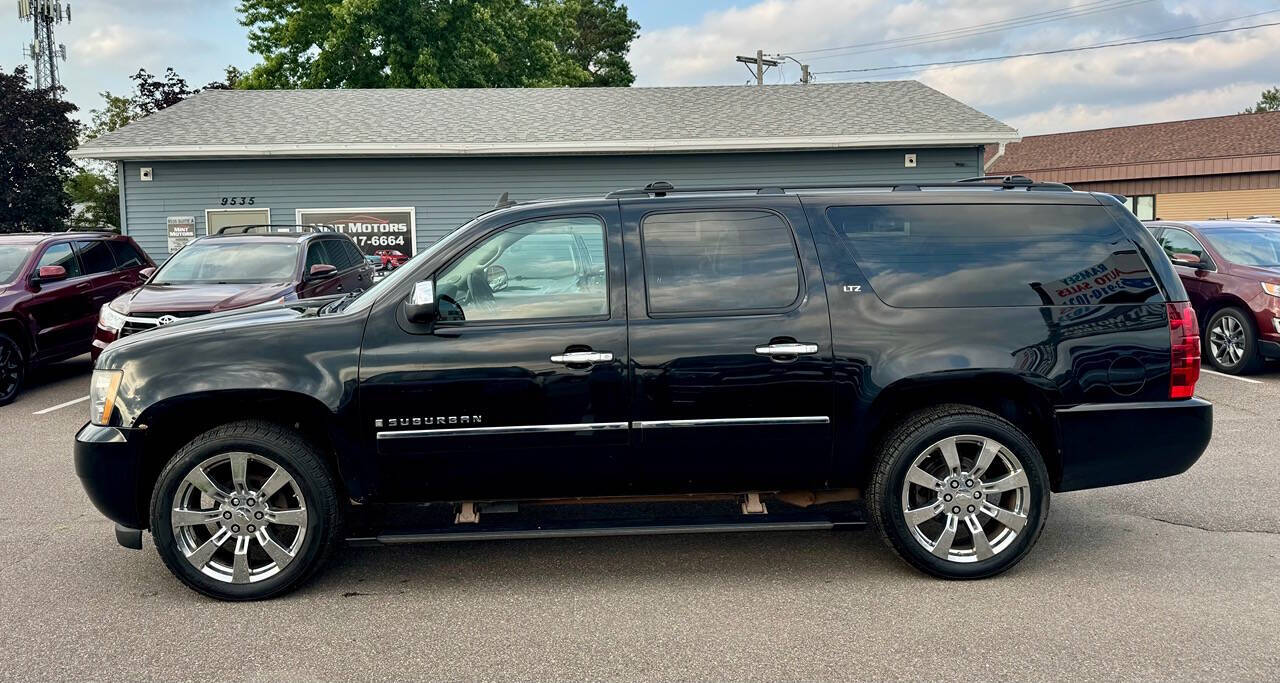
(60,406)
(1219,374)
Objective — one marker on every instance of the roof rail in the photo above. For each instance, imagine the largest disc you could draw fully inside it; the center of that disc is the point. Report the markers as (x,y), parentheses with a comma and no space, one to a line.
(662,188)
(276,228)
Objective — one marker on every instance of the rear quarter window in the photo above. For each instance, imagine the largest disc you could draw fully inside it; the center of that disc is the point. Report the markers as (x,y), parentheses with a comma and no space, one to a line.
(968,255)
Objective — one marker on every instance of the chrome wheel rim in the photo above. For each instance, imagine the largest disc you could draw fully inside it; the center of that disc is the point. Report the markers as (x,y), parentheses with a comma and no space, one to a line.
(1226,341)
(10,368)
(239,518)
(965,498)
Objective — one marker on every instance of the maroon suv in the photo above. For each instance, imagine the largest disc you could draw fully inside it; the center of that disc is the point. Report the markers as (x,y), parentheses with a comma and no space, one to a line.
(51,286)
(1231,270)
(235,269)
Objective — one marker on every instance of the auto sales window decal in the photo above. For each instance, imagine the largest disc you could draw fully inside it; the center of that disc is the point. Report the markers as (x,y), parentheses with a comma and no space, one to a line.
(373,230)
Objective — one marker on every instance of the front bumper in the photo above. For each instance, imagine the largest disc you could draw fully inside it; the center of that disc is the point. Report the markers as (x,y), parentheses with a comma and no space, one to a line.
(109,464)
(1104,444)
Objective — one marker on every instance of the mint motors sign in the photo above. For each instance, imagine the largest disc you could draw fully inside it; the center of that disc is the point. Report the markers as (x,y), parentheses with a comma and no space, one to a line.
(372,229)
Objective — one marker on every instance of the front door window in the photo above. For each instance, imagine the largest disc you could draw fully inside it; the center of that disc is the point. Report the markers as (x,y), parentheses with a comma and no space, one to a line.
(537,270)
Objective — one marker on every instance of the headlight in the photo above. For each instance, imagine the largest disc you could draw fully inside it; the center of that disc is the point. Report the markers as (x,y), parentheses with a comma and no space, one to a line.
(102,395)
(110,319)
(1270,288)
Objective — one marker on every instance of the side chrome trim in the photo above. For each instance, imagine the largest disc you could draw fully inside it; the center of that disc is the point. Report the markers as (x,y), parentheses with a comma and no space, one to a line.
(512,429)
(733,422)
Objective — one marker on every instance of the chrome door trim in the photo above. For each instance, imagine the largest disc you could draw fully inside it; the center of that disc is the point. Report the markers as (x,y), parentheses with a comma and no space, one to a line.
(733,422)
(512,429)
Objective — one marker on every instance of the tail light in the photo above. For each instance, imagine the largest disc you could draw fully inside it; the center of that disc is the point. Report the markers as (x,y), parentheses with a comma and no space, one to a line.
(1184,341)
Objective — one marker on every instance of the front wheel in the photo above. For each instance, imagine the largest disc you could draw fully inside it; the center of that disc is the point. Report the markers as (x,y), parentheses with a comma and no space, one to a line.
(245,511)
(13,369)
(1230,343)
(958,492)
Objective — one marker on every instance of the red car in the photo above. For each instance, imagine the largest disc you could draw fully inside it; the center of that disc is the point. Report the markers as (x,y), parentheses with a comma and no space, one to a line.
(236,269)
(51,286)
(1231,270)
(391,258)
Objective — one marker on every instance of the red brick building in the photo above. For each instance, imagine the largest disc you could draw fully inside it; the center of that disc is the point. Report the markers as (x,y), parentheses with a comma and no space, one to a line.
(1224,166)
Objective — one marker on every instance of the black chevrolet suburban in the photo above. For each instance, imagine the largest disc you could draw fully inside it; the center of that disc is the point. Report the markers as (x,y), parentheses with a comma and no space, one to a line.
(931,359)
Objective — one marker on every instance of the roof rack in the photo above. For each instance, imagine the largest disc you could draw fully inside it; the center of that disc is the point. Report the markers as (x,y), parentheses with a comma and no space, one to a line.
(276,228)
(663,188)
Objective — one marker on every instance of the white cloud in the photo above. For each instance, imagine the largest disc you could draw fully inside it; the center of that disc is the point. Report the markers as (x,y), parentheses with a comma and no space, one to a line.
(1154,82)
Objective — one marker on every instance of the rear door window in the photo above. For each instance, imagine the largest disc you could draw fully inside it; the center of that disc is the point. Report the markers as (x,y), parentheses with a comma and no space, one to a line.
(719,262)
(965,255)
(95,257)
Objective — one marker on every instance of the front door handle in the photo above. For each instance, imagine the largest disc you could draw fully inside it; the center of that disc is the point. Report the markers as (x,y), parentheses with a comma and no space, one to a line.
(789,349)
(582,357)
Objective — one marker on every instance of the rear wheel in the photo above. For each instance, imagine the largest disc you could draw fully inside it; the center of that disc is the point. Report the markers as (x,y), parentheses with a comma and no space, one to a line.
(245,511)
(1230,343)
(959,493)
(13,369)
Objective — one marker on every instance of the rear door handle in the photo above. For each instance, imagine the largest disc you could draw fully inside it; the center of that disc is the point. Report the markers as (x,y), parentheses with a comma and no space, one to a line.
(790,349)
(582,357)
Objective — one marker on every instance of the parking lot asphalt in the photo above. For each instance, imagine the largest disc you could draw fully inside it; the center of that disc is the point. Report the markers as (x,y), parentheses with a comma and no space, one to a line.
(1176,579)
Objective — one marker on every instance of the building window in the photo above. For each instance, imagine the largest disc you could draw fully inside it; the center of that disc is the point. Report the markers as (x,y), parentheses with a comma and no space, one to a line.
(1143,206)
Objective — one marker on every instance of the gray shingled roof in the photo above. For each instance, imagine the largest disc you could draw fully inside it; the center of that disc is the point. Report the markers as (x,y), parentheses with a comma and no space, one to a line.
(550,121)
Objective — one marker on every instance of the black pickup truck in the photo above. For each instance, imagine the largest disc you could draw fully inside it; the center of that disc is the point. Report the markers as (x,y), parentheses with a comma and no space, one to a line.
(931,359)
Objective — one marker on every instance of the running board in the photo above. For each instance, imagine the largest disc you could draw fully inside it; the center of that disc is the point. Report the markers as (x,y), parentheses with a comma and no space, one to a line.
(603,531)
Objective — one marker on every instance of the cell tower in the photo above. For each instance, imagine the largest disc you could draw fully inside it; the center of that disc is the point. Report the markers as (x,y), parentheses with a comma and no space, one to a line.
(43,14)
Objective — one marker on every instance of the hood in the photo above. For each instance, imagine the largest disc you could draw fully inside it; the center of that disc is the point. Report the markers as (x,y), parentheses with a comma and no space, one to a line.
(1257,272)
(224,324)
(199,297)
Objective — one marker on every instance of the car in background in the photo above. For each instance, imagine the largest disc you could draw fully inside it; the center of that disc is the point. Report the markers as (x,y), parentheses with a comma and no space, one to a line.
(237,268)
(1231,270)
(51,286)
(391,258)
(1263,219)
(374,260)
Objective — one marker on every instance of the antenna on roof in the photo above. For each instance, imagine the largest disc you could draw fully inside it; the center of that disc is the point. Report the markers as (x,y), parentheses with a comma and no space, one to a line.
(504,201)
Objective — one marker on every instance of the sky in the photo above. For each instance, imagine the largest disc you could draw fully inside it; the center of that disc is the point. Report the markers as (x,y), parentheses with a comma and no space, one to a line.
(691,42)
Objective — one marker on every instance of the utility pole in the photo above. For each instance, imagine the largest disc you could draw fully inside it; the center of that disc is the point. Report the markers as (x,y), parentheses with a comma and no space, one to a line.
(760,63)
(804,74)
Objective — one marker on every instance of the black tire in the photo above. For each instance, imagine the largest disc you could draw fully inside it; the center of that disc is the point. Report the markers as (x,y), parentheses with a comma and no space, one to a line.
(916,435)
(13,369)
(1231,318)
(288,450)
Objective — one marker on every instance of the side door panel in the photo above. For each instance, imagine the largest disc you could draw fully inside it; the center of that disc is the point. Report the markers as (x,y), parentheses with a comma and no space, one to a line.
(488,408)
(60,313)
(714,409)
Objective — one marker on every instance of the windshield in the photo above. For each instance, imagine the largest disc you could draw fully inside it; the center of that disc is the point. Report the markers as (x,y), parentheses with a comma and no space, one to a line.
(1248,246)
(406,272)
(220,262)
(12,257)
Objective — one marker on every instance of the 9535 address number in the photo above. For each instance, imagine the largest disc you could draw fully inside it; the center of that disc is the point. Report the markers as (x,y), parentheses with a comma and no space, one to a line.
(238,201)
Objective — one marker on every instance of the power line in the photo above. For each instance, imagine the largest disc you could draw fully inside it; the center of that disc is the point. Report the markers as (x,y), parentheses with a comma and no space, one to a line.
(1108,43)
(1099,46)
(979,29)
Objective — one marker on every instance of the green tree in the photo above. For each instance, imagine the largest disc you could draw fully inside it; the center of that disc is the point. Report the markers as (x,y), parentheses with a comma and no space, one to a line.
(1270,102)
(94,188)
(36,136)
(437,43)
(97,196)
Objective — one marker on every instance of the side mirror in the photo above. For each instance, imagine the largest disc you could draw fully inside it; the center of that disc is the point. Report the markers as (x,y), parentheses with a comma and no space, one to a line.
(147,272)
(51,274)
(321,271)
(420,307)
(1187,259)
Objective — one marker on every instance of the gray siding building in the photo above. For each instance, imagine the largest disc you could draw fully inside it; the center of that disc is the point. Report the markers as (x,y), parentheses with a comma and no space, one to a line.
(401,168)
